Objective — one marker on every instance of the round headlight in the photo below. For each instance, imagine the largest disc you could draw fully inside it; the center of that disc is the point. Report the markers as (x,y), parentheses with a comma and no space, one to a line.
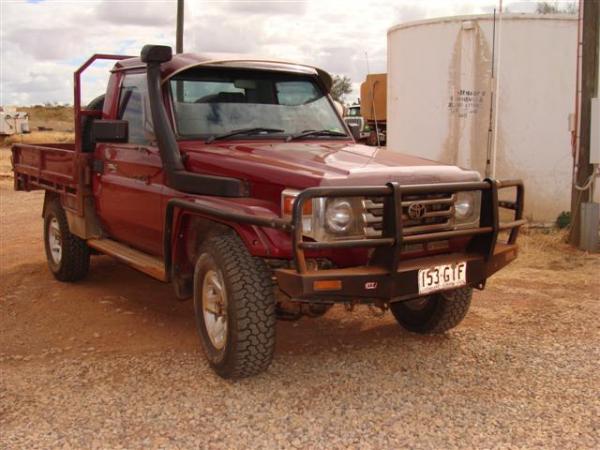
(464,205)
(339,215)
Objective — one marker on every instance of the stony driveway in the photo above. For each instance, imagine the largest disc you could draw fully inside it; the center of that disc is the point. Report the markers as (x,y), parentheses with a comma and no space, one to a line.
(114,362)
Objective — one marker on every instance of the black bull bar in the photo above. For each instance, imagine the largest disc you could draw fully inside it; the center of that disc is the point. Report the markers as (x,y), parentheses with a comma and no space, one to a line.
(388,277)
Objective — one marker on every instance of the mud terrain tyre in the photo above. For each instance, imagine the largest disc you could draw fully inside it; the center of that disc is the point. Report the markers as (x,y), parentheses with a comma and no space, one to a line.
(68,256)
(234,305)
(434,314)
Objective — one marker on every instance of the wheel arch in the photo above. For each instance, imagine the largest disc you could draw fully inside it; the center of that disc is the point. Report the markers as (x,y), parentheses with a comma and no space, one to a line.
(190,230)
(49,197)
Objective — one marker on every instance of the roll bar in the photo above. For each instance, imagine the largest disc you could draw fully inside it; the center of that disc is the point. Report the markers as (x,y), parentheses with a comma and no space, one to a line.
(78,111)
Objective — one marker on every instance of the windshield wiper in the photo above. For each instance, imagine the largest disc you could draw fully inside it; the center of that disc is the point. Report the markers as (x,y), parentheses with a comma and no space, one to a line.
(315,132)
(255,130)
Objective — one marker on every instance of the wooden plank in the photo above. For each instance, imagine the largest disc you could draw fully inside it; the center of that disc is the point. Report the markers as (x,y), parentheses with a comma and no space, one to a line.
(148,264)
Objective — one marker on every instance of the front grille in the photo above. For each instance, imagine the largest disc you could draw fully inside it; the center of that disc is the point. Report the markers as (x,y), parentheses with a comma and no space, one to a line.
(437,214)
(356,121)
(356,125)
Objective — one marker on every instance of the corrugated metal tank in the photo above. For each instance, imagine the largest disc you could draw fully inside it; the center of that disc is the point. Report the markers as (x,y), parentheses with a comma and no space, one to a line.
(439,92)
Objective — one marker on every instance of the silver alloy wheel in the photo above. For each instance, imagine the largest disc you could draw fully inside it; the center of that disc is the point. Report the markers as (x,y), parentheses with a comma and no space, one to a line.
(54,240)
(214,308)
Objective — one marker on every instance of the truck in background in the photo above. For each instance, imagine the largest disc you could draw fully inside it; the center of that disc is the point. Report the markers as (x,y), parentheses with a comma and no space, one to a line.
(373,108)
(355,122)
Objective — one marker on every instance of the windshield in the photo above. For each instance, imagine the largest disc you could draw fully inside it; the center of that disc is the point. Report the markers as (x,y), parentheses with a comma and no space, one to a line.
(354,111)
(209,103)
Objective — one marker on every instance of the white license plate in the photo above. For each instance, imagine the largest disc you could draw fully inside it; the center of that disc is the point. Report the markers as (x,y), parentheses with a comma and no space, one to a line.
(442,277)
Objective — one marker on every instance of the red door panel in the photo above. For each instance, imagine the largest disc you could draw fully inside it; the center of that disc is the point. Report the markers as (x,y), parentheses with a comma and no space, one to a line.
(128,195)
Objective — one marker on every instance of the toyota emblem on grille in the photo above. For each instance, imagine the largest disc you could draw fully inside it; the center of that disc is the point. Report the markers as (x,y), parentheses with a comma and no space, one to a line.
(416,211)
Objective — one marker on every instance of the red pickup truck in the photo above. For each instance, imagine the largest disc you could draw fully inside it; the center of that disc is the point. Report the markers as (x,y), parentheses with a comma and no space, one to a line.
(236,180)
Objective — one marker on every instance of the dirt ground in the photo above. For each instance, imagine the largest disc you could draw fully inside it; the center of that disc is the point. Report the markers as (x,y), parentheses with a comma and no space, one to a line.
(114,362)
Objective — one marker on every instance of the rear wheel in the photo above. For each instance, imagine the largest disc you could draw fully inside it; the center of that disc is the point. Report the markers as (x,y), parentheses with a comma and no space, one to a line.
(434,314)
(234,305)
(68,256)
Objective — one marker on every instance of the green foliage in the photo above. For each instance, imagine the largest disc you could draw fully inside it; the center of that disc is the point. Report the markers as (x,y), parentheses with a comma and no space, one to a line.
(563,220)
(556,8)
(342,86)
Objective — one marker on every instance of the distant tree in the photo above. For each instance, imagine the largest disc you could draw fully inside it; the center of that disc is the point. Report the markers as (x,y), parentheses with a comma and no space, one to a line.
(556,8)
(342,86)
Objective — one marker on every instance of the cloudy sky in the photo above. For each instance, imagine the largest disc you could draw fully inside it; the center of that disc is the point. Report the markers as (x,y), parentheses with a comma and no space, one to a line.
(43,41)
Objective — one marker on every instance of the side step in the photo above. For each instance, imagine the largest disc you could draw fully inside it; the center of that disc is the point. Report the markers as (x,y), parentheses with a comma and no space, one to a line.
(150,265)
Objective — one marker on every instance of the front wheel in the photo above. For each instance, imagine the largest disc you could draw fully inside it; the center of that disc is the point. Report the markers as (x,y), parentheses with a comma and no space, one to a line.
(234,305)
(434,314)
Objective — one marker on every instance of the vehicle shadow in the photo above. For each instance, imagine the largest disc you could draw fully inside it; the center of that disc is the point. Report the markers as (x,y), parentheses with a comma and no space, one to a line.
(338,327)
(132,312)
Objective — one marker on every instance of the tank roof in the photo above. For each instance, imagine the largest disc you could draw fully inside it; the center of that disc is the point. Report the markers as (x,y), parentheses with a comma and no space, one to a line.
(505,16)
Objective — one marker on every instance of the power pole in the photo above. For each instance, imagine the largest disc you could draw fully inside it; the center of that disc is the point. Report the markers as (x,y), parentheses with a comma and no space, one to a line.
(589,89)
(179,42)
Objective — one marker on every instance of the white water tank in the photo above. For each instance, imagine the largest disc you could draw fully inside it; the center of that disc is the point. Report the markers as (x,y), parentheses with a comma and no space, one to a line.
(439,92)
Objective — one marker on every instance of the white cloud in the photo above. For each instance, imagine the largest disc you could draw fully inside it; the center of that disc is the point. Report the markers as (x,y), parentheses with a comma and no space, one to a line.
(42,43)
(265,7)
(151,14)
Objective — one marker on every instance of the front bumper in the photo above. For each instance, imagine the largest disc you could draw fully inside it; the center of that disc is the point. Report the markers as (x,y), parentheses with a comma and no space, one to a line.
(368,283)
(389,276)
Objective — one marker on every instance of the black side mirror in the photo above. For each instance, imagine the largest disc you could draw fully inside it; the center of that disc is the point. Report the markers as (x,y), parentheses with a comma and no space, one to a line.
(110,131)
(156,54)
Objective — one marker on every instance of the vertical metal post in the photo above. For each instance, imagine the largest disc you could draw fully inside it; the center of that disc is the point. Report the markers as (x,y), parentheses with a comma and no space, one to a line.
(179,47)
(495,217)
(589,226)
(297,232)
(374,113)
(398,225)
(179,41)
(519,203)
(488,162)
(498,52)
(391,228)
(583,170)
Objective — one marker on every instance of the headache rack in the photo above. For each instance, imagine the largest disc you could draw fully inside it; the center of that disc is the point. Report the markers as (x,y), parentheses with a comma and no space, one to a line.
(388,227)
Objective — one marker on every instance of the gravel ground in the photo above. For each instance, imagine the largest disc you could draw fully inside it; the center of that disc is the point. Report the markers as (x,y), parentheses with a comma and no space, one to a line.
(114,362)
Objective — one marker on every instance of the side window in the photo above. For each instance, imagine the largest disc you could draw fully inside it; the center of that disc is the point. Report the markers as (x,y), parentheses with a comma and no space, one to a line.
(134,108)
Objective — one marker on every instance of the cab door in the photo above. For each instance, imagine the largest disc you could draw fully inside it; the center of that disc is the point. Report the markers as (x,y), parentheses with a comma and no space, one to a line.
(128,192)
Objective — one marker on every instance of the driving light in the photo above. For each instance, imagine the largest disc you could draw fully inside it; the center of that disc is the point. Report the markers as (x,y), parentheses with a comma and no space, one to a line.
(464,205)
(467,209)
(339,215)
(326,219)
